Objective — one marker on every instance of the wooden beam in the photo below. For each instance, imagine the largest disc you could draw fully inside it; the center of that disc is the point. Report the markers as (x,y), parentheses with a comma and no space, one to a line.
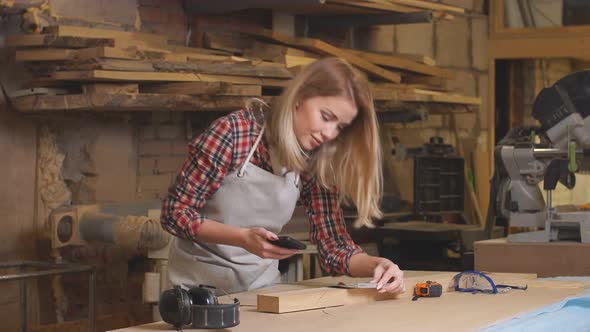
(125,102)
(204,88)
(405,64)
(125,76)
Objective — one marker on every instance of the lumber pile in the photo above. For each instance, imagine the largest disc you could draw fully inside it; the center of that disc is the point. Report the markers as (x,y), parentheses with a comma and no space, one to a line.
(83,69)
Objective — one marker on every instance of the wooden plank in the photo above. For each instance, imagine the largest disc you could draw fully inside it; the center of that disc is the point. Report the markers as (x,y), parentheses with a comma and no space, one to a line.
(325,48)
(212,58)
(107,53)
(164,66)
(227,69)
(124,36)
(124,76)
(51,54)
(429,5)
(270,52)
(98,88)
(291,61)
(125,102)
(204,88)
(401,63)
(316,298)
(39,40)
(227,42)
(195,50)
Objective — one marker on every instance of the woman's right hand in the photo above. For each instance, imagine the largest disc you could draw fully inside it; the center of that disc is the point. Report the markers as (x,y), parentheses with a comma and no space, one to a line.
(257,241)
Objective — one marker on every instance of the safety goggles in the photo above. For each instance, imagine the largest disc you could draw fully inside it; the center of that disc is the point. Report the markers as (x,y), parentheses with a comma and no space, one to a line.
(478,282)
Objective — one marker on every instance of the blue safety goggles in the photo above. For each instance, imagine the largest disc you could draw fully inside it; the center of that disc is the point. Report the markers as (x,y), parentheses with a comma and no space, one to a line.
(478,282)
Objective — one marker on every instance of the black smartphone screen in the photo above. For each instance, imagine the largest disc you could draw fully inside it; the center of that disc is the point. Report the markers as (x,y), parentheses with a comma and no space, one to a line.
(289,242)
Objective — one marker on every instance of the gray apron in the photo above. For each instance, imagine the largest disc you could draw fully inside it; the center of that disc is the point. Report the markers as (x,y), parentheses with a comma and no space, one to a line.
(248,197)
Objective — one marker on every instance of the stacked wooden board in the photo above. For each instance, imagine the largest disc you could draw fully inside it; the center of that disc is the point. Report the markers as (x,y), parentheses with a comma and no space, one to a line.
(83,69)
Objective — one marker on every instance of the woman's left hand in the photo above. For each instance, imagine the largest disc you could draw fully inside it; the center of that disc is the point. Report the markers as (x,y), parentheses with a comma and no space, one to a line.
(388,276)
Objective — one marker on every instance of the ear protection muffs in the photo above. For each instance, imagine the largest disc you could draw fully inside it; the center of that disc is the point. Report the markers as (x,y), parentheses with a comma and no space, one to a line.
(197,307)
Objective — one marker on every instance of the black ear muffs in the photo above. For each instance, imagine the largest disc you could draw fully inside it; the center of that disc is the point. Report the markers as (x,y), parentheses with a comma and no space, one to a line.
(198,307)
(175,307)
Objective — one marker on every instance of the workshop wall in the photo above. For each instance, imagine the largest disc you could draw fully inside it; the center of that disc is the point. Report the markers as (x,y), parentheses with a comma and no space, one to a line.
(460,45)
(85,159)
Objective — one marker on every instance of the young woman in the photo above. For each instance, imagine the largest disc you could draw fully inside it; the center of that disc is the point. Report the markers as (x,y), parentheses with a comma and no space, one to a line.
(319,143)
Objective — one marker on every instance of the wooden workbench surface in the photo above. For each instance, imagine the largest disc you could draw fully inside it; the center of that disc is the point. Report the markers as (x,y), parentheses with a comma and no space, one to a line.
(453,311)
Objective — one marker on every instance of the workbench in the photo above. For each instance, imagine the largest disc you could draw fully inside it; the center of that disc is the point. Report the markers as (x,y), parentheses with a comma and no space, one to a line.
(453,311)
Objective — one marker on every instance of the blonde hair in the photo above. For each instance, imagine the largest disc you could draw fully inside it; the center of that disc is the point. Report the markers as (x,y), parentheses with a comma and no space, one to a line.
(352,161)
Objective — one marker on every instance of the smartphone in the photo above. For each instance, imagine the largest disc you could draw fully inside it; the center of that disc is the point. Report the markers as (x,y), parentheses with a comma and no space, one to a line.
(289,243)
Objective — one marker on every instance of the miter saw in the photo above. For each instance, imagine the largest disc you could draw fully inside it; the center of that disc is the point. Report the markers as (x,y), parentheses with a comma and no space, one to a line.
(551,153)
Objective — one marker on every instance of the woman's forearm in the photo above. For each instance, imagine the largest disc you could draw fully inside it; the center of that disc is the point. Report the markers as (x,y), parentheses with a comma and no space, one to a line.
(216,232)
(362,265)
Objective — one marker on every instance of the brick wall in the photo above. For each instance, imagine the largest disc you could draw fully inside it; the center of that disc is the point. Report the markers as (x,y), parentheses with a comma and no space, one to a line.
(162,149)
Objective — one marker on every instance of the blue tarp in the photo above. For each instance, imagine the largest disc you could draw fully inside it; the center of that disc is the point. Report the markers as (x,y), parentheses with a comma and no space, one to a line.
(572,314)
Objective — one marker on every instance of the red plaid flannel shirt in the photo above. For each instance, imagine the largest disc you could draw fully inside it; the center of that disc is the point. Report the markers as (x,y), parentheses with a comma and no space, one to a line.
(220,150)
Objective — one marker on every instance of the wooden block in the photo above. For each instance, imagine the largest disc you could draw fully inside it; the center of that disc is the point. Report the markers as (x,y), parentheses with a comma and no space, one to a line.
(204,88)
(316,298)
(110,88)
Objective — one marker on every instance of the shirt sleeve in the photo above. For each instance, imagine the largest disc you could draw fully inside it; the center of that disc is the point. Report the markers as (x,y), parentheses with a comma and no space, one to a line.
(328,230)
(209,160)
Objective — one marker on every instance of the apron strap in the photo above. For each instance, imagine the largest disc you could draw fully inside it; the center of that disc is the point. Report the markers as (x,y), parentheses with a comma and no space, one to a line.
(251,153)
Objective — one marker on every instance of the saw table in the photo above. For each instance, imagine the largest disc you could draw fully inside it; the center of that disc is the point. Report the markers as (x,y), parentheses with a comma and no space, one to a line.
(453,311)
